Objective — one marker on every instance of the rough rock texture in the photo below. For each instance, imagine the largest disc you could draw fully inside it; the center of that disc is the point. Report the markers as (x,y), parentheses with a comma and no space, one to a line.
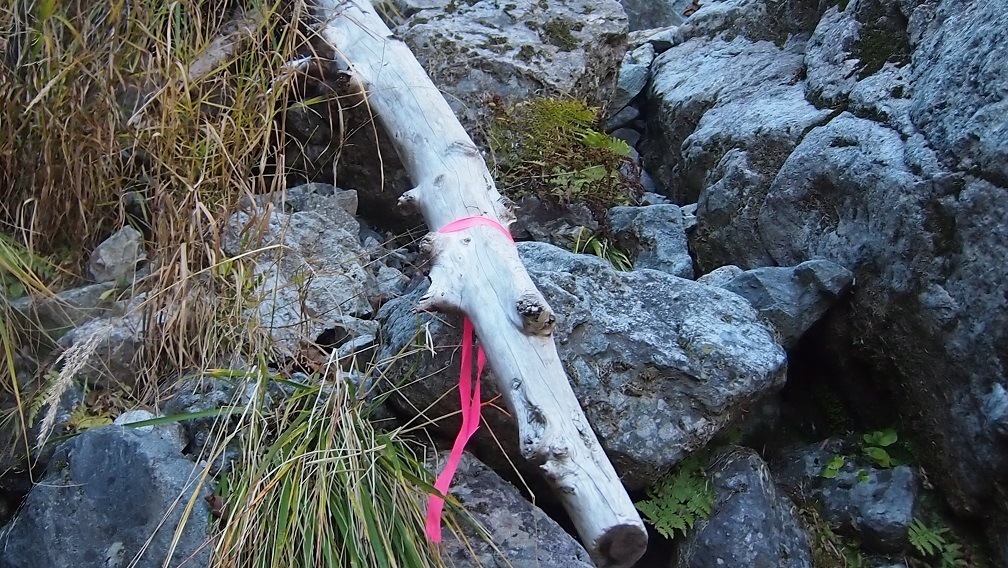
(105,493)
(313,269)
(720,276)
(959,101)
(905,189)
(929,306)
(117,256)
(752,524)
(68,308)
(633,76)
(875,505)
(792,298)
(852,44)
(832,67)
(648,14)
(171,432)
(712,96)
(524,535)
(514,48)
(654,236)
(106,349)
(752,19)
(659,363)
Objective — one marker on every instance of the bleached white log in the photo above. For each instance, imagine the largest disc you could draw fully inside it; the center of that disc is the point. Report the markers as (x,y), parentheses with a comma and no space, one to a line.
(477,272)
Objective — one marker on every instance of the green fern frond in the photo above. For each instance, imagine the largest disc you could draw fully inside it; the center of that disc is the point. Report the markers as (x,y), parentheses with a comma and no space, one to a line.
(677,500)
(926,540)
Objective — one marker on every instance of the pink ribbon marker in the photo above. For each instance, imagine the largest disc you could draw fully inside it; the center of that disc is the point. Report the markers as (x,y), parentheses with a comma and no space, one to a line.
(469,392)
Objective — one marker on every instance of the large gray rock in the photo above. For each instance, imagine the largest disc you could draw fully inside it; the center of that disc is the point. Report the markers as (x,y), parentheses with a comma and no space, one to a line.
(857,59)
(752,19)
(959,102)
(873,504)
(106,492)
(832,65)
(660,364)
(104,351)
(58,313)
(312,271)
(792,298)
(727,228)
(712,96)
(931,306)
(752,524)
(517,533)
(515,49)
(648,14)
(117,256)
(655,237)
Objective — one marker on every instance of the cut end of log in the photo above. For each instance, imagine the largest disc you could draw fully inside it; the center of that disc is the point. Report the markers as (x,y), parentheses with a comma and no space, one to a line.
(621,546)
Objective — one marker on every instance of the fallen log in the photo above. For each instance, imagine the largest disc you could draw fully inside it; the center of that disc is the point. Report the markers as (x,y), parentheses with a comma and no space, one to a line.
(477,272)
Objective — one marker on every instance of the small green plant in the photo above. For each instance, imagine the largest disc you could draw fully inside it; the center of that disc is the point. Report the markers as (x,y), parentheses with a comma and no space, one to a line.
(931,544)
(677,500)
(876,444)
(549,148)
(833,467)
(602,247)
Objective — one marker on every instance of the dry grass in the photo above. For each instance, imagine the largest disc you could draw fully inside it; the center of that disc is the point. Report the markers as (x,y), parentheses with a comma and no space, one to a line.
(166,115)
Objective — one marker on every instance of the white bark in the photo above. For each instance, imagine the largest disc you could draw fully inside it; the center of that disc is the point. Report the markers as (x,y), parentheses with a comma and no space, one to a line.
(477,272)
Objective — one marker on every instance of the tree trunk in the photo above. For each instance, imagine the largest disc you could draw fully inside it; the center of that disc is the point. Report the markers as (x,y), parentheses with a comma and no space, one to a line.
(477,272)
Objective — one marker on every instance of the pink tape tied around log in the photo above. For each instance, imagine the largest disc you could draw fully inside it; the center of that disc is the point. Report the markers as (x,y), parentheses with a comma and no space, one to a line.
(469,392)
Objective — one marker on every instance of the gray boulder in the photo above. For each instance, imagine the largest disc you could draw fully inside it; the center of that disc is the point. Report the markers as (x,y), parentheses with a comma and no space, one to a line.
(832,65)
(752,524)
(515,49)
(312,270)
(66,309)
(751,19)
(873,504)
(727,226)
(633,75)
(720,276)
(792,298)
(712,96)
(857,59)
(104,351)
(660,364)
(110,495)
(923,245)
(959,73)
(117,256)
(655,237)
(510,531)
(648,14)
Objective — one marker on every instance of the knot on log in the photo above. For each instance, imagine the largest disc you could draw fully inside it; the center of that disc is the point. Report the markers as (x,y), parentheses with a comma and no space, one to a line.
(537,317)
(408,201)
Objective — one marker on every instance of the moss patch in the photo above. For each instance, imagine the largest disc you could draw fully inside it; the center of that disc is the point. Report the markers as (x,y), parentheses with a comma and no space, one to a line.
(548,148)
(558,33)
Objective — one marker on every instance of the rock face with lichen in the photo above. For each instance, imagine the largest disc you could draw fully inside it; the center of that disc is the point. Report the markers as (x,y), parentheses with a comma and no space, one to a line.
(479,51)
(883,150)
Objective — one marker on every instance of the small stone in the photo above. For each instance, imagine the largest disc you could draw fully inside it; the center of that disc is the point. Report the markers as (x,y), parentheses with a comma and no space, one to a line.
(633,75)
(625,116)
(117,256)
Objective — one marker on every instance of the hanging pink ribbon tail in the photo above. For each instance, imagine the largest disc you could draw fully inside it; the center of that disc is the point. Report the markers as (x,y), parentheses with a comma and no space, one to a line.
(469,393)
